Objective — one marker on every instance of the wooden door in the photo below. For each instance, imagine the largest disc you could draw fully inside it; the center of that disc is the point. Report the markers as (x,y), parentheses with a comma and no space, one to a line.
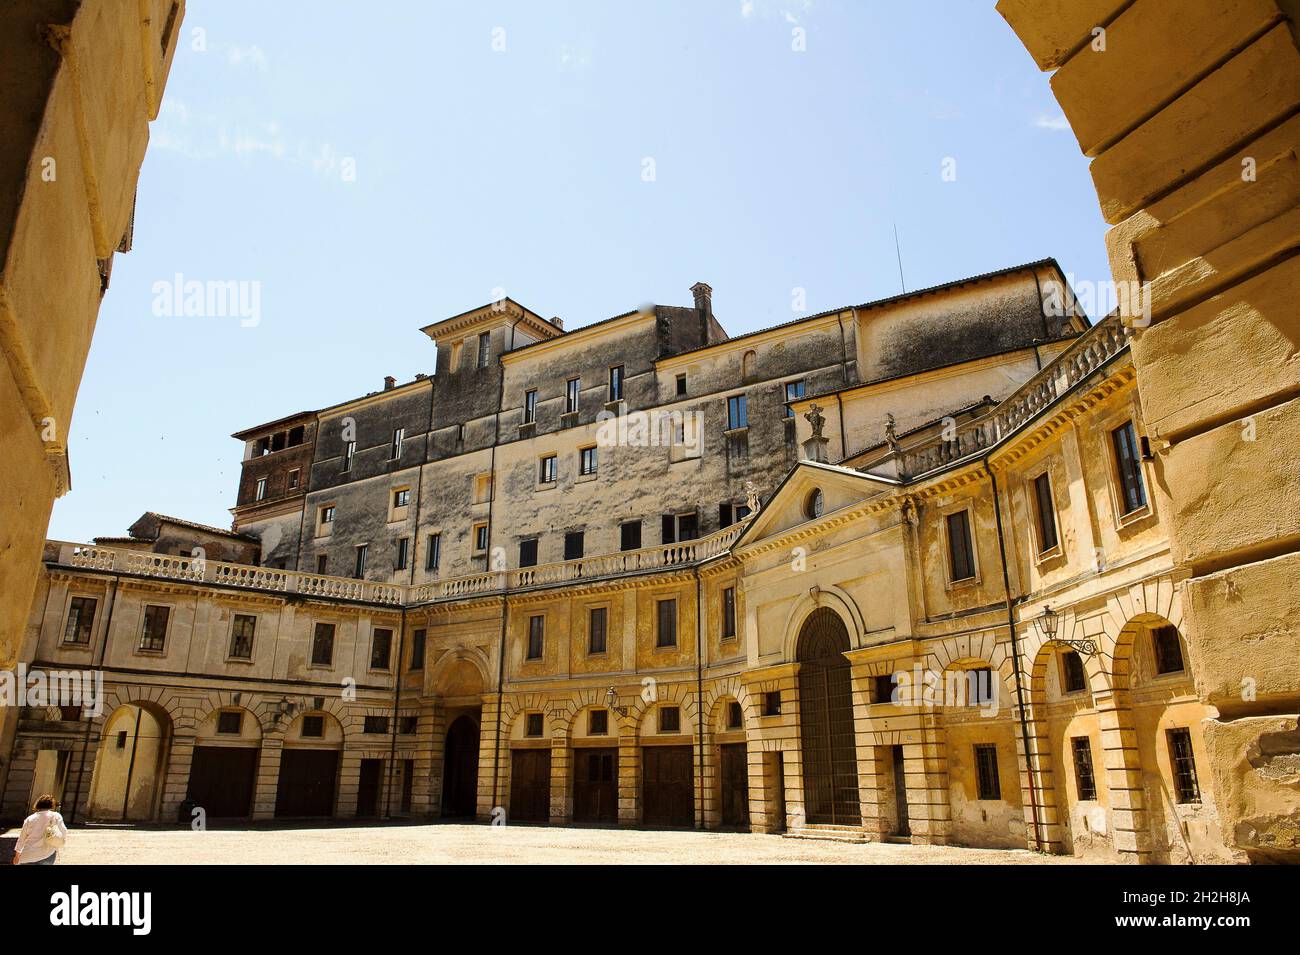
(595,785)
(306,785)
(735,786)
(368,788)
(830,769)
(530,785)
(667,787)
(222,779)
(460,769)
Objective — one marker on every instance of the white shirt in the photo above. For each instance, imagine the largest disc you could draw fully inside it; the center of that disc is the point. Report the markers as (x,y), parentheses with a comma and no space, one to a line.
(31,841)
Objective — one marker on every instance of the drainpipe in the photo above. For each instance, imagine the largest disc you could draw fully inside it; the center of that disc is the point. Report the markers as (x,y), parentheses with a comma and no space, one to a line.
(392,745)
(501,680)
(699,685)
(85,740)
(1015,656)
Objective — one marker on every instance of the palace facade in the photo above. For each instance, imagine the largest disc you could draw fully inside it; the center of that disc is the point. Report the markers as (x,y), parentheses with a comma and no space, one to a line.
(894,571)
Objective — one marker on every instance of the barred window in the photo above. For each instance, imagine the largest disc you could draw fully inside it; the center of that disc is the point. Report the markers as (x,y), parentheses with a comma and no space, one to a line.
(313,727)
(670,719)
(986,771)
(1186,785)
(1083,776)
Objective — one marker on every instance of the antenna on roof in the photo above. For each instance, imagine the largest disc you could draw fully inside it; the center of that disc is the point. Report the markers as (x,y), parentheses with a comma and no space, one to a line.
(899,253)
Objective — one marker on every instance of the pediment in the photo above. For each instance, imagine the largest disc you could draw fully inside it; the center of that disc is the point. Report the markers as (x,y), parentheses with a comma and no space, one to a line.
(789,505)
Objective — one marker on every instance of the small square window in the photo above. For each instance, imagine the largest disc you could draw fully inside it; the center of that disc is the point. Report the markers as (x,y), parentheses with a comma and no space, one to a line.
(402,497)
(533,725)
(230,722)
(772,703)
(547,470)
(408,725)
(313,727)
(574,545)
(670,719)
(735,716)
(882,688)
(480,538)
(1168,649)
(375,725)
(587,461)
(598,723)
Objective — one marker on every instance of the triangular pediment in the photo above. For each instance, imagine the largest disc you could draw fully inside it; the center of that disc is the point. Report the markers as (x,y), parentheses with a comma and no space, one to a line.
(790,504)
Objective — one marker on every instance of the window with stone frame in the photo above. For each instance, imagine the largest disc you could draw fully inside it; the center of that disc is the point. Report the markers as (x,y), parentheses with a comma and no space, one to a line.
(322,645)
(1073,677)
(988,784)
(728,613)
(1186,785)
(418,639)
(153,635)
(533,725)
(1128,466)
(375,725)
(313,727)
(597,722)
(1084,780)
(597,630)
(666,617)
(241,636)
(381,649)
(1168,649)
(81,618)
(536,637)
(961,553)
(230,722)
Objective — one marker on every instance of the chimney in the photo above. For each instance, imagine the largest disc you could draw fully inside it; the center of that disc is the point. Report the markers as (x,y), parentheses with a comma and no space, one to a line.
(558,322)
(703,299)
(389,382)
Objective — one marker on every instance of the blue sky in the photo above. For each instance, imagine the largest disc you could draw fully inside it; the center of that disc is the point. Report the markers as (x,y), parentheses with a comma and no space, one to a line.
(376,167)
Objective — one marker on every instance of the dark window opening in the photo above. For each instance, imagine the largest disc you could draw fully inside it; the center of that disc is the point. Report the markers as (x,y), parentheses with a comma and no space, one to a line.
(536,636)
(670,719)
(986,769)
(417,650)
(598,722)
(533,724)
(381,649)
(1129,466)
(630,535)
(322,645)
(1186,784)
(1168,649)
(528,553)
(375,724)
(597,626)
(573,544)
(230,722)
(961,556)
(1047,538)
(1083,776)
(1073,677)
(666,633)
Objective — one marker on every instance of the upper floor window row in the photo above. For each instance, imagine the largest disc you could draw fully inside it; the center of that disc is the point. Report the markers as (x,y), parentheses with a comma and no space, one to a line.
(280,440)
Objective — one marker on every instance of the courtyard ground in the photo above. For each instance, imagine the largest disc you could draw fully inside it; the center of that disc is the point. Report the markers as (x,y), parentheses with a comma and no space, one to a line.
(451,843)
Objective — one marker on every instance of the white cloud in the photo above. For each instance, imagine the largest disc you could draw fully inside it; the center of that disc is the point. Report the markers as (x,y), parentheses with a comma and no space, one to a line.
(1052,122)
(254,56)
(747,9)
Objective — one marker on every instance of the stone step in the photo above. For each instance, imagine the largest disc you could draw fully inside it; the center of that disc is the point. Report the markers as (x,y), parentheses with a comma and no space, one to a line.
(827,833)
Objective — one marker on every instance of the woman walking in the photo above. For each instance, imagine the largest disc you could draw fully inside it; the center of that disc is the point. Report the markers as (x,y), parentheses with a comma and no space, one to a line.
(43,835)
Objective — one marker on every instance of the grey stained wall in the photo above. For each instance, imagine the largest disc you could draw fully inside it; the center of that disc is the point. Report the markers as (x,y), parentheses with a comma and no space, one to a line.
(466,425)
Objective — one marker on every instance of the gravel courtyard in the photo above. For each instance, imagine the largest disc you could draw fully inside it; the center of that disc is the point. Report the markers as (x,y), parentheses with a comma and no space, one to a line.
(450,843)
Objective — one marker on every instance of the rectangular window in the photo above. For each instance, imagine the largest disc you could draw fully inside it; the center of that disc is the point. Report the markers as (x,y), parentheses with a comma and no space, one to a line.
(681,386)
(737,413)
(572,394)
(241,636)
(670,719)
(629,533)
(408,725)
(480,538)
(417,649)
(261,489)
(399,435)
(666,633)
(403,552)
(587,461)
(533,725)
(327,515)
(322,563)
(986,770)
(359,569)
(794,390)
(375,725)
(402,497)
(546,470)
(597,624)
(536,636)
(313,727)
(728,613)
(348,452)
(574,544)
(1129,466)
(598,723)
(528,553)
(882,688)
(1046,513)
(530,407)
(772,703)
(1083,777)
(735,716)
(1073,678)
(1184,765)
(432,552)
(1168,649)
(230,722)
(961,558)
(322,645)
(154,635)
(293,478)
(81,617)
(616,383)
(484,348)
(381,649)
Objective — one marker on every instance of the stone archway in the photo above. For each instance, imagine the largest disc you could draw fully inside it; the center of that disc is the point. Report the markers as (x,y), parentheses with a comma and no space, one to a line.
(830,771)
(460,768)
(131,763)
(1190,119)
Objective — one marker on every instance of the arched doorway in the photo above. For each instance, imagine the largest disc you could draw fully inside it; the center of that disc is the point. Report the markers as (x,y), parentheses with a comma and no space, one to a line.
(460,769)
(131,764)
(830,770)
(310,764)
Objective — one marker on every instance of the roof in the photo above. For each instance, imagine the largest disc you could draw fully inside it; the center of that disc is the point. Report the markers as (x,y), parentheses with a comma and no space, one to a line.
(297,416)
(194,525)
